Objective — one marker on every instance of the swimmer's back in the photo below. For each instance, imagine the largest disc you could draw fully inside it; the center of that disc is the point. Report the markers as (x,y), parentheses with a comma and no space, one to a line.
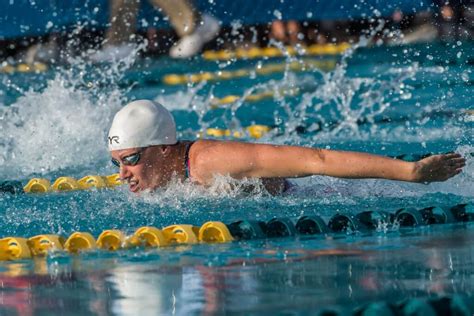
(206,159)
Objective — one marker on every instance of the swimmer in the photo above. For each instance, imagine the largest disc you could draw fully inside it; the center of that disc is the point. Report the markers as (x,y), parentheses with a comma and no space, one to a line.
(143,145)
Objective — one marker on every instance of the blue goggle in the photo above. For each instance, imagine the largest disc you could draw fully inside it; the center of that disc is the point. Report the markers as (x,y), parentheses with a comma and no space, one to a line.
(130,160)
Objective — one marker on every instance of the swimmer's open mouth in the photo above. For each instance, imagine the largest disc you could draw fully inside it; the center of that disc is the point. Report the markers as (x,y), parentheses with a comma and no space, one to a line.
(133,185)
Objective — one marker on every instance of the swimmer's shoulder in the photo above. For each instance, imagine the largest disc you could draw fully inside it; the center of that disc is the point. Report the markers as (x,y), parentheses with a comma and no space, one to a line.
(207,150)
(208,157)
(200,158)
(211,146)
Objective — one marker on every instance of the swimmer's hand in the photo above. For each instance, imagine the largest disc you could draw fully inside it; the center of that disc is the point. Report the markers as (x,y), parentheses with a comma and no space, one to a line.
(438,168)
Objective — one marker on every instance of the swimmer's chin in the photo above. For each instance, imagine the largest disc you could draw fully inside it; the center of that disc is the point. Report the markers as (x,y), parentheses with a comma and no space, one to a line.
(137,189)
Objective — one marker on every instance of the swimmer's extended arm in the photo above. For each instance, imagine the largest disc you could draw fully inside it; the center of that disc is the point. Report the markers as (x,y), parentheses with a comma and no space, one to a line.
(241,160)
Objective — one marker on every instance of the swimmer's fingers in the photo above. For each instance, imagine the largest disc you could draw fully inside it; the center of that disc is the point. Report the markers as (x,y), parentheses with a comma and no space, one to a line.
(456,163)
(456,170)
(461,159)
(450,156)
(453,161)
(454,166)
(459,163)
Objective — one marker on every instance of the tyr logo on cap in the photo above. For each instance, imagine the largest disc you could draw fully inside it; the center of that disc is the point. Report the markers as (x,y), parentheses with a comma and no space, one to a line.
(113,139)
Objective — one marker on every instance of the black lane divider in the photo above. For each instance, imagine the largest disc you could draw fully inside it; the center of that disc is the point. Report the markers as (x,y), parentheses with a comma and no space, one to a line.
(363,222)
(247,230)
(457,304)
(11,186)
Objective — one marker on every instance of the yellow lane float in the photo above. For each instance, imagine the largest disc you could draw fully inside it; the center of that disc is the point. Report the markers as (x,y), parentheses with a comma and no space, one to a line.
(257,131)
(40,245)
(37,185)
(255,97)
(14,248)
(181,234)
(79,242)
(269,52)
(88,182)
(254,131)
(113,180)
(262,70)
(112,239)
(148,236)
(24,68)
(65,184)
(214,232)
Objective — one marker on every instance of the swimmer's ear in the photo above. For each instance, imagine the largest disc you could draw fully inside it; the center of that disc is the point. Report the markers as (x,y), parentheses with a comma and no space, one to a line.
(165,150)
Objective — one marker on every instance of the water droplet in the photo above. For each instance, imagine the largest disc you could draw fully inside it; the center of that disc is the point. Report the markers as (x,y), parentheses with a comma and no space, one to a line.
(277,14)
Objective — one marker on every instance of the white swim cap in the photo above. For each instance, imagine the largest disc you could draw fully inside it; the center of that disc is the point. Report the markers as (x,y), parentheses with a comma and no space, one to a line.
(142,123)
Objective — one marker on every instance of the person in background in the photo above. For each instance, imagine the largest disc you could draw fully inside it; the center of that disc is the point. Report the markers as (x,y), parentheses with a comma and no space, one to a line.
(288,33)
(451,19)
(193,29)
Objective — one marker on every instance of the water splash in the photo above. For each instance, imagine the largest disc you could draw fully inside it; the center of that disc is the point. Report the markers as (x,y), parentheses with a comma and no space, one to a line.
(331,112)
(63,125)
(54,129)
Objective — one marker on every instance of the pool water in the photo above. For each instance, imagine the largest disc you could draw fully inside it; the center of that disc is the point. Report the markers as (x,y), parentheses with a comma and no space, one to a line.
(385,100)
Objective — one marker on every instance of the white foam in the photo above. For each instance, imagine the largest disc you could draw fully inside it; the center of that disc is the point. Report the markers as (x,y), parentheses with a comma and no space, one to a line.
(64,125)
(224,187)
(60,127)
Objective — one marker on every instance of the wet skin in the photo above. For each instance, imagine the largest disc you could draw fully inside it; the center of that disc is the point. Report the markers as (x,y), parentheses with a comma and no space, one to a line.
(273,164)
(154,169)
(144,174)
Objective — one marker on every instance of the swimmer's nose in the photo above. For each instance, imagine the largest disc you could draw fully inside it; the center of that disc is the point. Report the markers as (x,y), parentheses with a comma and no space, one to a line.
(124,173)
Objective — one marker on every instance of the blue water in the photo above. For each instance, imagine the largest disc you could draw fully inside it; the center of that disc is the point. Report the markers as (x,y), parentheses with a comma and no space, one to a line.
(385,100)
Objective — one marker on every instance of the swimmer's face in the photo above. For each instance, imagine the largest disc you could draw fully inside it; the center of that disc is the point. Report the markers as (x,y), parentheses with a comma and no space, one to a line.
(144,173)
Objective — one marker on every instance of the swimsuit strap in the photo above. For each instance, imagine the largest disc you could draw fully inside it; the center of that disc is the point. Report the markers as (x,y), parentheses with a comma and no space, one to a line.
(187,166)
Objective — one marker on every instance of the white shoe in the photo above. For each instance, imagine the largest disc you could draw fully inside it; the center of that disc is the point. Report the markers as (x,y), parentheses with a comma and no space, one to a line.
(111,53)
(45,53)
(192,44)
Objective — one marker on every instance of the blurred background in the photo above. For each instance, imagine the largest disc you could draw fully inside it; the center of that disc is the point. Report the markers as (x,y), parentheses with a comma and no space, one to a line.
(51,31)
